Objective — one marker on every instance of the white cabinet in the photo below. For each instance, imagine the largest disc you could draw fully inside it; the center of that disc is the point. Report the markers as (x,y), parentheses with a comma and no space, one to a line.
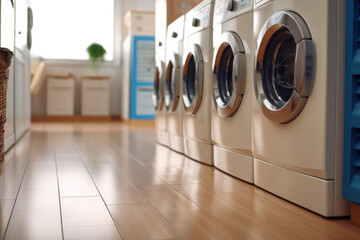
(95,95)
(21,21)
(14,37)
(22,94)
(140,23)
(22,70)
(60,95)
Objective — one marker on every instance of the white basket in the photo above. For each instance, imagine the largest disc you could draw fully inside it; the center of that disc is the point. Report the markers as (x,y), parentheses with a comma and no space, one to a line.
(60,95)
(95,96)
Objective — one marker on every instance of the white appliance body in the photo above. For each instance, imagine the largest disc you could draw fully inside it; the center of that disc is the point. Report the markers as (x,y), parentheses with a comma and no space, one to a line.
(173,86)
(197,99)
(159,99)
(232,87)
(298,102)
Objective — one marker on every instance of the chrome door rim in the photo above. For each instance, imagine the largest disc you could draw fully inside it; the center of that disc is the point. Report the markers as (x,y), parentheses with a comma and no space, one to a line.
(229,40)
(192,105)
(303,63)
(158,96)
(172,91)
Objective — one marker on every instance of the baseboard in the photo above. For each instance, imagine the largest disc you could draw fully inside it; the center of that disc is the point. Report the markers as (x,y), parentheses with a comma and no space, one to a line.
(139,123)
(310,192)
(199,151)
(38,118)
(355,214)
(74,118)
(234,163)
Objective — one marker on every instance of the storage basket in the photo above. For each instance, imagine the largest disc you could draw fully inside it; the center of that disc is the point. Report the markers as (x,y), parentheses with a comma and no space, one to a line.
(5,62)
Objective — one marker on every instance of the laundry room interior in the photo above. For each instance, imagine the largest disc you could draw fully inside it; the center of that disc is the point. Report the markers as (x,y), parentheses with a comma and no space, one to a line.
(179,119)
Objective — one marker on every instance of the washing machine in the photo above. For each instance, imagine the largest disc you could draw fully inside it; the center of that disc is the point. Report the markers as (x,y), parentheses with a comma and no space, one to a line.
(161,129)
(197,96)
(298,102)
(173,86)
(232,87)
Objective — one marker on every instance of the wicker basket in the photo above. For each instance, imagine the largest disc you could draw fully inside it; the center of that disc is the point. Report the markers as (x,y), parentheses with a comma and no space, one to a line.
(5,62)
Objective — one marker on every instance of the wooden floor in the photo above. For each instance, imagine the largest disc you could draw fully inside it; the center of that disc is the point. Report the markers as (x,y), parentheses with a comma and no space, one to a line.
(111,181)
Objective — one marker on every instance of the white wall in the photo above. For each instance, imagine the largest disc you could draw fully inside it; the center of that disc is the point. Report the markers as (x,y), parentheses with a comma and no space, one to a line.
(146,5)
(114,71)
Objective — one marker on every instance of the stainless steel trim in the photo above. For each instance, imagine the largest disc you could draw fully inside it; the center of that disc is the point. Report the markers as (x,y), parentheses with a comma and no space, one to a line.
(168,78)
(304,63)
(191,107)
(288,112)
(232,40)
(173,73)
(303,67)
(158,93)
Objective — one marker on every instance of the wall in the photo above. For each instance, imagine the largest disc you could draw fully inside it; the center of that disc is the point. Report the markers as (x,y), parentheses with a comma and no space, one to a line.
(146,5)
(113,70)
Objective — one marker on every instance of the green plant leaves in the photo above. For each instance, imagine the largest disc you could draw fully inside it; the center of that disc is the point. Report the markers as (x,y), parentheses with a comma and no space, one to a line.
(96,52)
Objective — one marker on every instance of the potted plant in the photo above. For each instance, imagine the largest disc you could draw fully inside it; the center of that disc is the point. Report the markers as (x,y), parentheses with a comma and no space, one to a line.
(96,54)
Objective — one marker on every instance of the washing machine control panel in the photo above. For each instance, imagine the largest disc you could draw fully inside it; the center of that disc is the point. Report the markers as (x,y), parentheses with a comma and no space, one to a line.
(175,31)
(237,7)
(219,11)
(259,3)
(199,19)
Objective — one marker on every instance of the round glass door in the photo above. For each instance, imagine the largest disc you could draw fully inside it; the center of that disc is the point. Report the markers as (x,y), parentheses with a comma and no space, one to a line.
(284,59)
(172,91)
(229,68)
(193,80)
(158,97)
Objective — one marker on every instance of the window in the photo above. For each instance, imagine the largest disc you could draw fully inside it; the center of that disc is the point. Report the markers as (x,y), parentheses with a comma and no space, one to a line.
(63,29)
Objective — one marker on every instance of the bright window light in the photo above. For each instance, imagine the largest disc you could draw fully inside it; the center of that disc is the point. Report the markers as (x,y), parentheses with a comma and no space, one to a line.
(63,29)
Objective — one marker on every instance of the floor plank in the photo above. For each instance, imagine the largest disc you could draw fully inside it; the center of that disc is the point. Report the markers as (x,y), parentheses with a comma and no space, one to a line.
(37,224)
(142,222)
(6,207)
(38,198)
(87,216)
(74,179)
(84,211)
(102,232)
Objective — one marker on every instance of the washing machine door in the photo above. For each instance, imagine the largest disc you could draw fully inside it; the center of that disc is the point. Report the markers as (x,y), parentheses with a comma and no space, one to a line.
(229,74)
(172,88)
(284,61)
(158,93)
(193,80)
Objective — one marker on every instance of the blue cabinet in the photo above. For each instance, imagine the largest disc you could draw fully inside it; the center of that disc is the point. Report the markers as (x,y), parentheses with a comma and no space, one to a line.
(351,178)
(142,76)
